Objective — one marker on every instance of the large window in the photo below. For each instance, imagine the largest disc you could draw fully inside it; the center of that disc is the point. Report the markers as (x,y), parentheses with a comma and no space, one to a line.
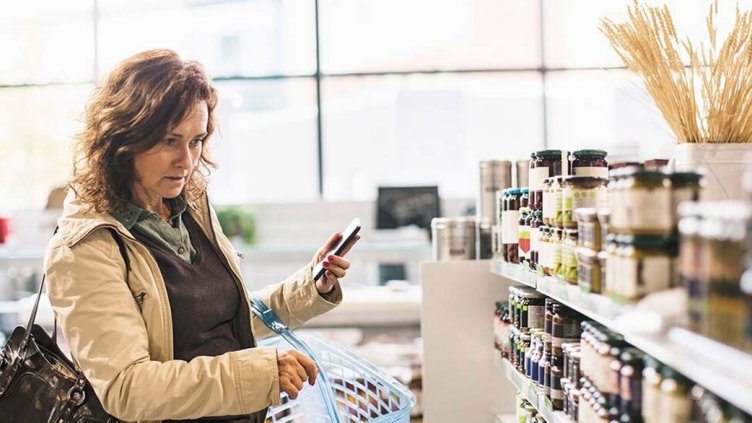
(328,99)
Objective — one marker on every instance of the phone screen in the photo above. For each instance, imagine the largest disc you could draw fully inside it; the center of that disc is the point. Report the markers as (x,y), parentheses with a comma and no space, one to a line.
(348,236)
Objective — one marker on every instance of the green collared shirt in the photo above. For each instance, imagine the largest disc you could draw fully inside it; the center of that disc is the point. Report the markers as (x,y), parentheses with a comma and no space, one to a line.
(172,234)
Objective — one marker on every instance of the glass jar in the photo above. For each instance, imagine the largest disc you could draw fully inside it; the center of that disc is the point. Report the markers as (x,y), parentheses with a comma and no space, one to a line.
(529,224)
(536,356)
(604,216)
(533,310)
(548,202)
(613,380)
(589,163)
(500,205)
(556,190)
(677,404)
(548,326)
(609,282)
(647,204)
(644,266)
(685,186)
(651,391)
(568,257)
(588,228)
(630,384)
(557,393)
(579,192)
(536,223)
(547,164)
(510,226)
(603,264)
(547,374)
(566,328)
(544,245)
(523,345)
(524,198)
(728,294)
(556,240)
(615,200)
(588,270)
(524,237)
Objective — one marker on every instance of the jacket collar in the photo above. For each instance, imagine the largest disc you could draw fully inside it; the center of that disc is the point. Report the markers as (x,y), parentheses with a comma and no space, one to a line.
(78,221)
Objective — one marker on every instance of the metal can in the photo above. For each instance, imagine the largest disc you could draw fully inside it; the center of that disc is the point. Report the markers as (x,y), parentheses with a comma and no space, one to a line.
(453,238)
(494,175)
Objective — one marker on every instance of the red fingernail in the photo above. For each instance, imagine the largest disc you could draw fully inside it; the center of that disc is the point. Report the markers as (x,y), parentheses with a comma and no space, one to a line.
(330,258)
(328,273)
(326,264)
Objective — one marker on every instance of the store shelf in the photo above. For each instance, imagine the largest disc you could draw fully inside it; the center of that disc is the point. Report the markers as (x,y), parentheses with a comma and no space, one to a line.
(514,272)
(595,307)
(522,384)
(723,370)
(529,391)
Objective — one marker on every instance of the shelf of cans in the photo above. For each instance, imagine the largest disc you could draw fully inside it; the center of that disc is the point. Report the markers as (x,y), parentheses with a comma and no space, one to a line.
(573,369)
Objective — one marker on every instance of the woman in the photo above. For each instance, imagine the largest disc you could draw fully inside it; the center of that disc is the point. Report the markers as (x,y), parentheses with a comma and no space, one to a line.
(172,336)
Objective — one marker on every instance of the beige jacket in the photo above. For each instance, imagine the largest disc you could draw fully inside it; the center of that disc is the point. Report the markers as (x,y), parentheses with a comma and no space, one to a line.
(120,333)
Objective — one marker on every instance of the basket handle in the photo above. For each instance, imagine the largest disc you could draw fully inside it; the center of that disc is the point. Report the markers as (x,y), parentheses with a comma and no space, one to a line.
(273,322)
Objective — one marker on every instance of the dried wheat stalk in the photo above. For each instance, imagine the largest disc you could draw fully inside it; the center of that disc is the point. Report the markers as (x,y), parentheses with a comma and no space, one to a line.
(707,97)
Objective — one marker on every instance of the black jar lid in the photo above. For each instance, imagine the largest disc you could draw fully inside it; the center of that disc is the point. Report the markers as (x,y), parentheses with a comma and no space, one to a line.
(647,242)
(683,178)
(590,153)
(548,153)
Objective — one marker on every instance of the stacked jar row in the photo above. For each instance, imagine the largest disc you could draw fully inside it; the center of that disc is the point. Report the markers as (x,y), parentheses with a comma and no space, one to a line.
(597,376)
(629,250)
(714,239)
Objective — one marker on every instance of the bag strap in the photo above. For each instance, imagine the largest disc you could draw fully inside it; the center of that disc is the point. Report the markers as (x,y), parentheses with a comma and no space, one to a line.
(33,316)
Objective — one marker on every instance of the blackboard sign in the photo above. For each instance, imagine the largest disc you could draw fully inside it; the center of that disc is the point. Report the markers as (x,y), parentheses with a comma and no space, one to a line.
(404,206)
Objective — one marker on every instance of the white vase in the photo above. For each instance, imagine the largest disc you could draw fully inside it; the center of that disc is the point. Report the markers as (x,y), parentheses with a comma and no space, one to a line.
(723,165)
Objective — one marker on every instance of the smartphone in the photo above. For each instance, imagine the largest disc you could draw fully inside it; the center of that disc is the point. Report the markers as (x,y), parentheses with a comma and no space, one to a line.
(348,236)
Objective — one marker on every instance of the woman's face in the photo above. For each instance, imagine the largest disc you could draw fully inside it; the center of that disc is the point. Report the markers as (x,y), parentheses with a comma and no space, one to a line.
(163,170)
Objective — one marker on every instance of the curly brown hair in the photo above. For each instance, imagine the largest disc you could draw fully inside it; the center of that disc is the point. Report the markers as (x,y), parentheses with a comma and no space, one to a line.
(133,109)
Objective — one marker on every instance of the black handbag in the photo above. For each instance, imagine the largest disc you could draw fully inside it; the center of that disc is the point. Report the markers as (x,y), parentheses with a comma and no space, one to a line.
(39,384)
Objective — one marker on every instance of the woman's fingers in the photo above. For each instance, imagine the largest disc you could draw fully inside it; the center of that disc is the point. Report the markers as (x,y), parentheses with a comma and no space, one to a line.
(294,369)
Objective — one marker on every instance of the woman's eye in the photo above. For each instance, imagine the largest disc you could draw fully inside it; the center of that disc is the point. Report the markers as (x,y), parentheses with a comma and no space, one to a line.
(197,142)
(170,141)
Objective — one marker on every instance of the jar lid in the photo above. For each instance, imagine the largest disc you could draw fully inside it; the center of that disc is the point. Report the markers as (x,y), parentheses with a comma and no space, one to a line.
(584,181)
(647,242)
(683,178)
(548,153)
(590,153)
(649,175)
(570,232)
(524,191)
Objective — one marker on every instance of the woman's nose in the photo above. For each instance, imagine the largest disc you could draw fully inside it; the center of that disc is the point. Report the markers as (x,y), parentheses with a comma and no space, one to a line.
(185,159)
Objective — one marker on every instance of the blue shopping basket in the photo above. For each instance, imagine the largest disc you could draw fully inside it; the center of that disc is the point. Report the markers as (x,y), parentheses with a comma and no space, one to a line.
(349,388)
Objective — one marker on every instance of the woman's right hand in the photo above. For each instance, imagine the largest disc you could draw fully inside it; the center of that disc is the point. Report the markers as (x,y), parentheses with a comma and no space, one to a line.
(294,369)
